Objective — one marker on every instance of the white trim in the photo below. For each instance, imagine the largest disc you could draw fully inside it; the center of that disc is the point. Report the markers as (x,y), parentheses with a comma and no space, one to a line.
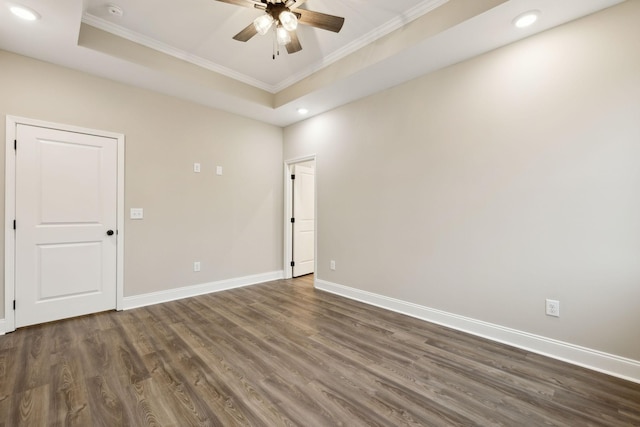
(288,196)
(610,364)
(201,289)
(10,208)
(158,46)
(3,325)
(9,216)
(120,221)
(393,24)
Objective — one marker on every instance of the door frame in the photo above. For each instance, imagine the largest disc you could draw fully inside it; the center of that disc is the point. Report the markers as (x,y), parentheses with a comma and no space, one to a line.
(10,208)
(288,199)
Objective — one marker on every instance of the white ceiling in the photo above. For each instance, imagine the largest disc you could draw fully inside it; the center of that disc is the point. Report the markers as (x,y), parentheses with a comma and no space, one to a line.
(200,32)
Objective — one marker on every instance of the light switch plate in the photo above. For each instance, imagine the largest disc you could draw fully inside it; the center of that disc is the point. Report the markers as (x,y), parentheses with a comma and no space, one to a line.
(218,170)
(136,213)
(196,167)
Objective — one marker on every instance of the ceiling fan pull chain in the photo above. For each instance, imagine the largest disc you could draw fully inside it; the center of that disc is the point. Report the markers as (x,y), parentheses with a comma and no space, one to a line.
(275,43)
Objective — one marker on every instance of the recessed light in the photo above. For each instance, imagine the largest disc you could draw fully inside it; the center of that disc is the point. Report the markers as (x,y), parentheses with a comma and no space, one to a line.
(24,12)
(526,19)
(302,111)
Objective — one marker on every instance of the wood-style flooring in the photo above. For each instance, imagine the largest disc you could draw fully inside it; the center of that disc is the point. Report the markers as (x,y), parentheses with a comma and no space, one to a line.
(285,354)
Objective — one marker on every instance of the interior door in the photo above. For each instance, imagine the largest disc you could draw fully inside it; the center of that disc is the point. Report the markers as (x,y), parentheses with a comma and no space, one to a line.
(66,202)
(304,215)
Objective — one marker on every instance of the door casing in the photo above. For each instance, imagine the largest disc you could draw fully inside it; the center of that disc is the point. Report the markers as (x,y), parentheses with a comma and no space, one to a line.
(10,208)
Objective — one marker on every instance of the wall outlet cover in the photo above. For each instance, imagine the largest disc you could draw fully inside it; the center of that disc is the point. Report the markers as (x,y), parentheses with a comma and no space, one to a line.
(552,308)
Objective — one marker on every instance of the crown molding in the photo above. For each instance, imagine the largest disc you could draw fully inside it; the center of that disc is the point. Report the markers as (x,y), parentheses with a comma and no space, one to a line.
(377,33)
(392,25)
(154,44)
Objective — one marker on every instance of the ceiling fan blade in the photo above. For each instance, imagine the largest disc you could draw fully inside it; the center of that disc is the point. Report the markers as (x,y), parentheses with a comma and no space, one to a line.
(243,3)
(248,32)
(294,45)
(294,4)
(320,20)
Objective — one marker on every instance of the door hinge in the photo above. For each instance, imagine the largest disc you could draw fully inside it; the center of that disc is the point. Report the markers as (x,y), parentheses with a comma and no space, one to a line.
(293,220)
(14,304)
(293,264)
(15,144)
(14,224)
(293,176)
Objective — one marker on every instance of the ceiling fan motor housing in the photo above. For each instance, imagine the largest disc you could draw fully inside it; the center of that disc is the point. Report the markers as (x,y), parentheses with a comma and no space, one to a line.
(275,9)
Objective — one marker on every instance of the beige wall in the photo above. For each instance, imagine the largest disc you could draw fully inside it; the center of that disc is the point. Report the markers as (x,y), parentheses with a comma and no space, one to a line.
(232,223)
(486,187)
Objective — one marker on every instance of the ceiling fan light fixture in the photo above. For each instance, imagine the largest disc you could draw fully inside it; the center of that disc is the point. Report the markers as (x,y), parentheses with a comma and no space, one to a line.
(288,20)
(262,23)
(282,36)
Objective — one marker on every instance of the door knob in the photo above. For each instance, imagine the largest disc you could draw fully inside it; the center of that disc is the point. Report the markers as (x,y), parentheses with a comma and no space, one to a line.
(109,232)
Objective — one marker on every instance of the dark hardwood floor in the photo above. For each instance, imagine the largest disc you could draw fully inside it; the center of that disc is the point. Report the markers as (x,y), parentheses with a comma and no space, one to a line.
(282,353)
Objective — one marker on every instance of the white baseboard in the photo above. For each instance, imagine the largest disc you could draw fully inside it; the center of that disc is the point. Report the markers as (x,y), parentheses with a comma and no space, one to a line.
(3,326)
(610,364)
(194,290)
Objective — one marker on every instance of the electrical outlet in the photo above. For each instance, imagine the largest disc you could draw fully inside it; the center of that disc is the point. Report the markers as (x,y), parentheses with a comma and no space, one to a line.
(553,308)
(196,266)
(332,265)
(196,167)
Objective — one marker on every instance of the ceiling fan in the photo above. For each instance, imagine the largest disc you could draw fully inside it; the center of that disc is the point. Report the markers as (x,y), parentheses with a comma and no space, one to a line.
(284,17)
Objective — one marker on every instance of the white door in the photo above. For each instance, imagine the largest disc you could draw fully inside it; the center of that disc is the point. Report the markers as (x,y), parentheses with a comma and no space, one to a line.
(303,225)
(66,189)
